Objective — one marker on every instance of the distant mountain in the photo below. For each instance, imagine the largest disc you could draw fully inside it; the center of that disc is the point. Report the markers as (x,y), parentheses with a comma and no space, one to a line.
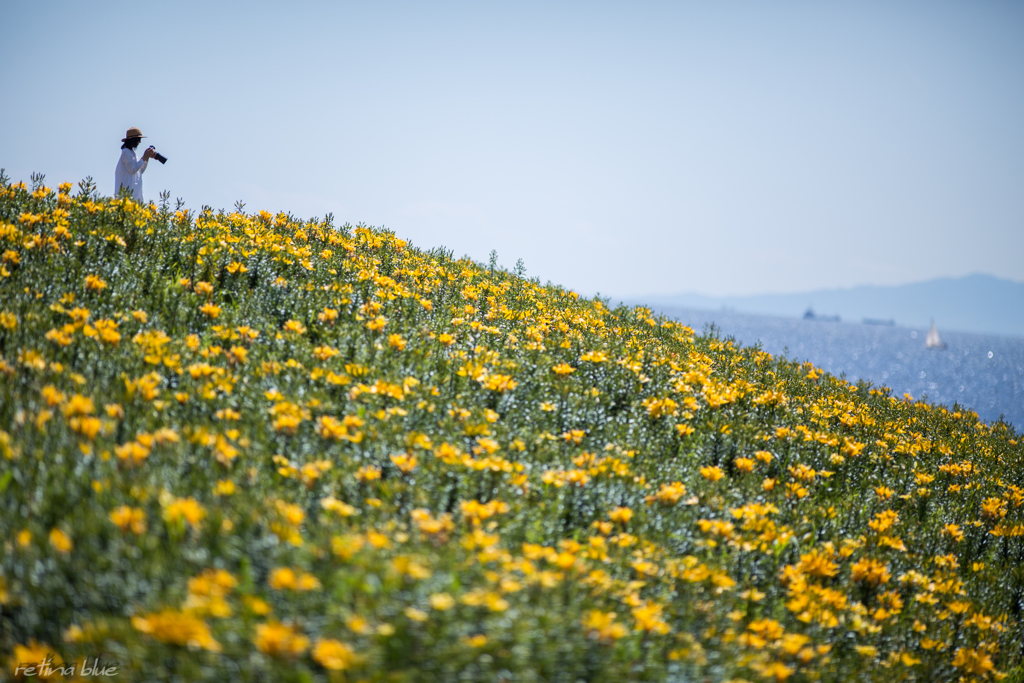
(975,303)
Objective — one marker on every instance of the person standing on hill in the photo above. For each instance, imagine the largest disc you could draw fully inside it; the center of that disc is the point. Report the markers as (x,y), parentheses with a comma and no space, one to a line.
(129,169)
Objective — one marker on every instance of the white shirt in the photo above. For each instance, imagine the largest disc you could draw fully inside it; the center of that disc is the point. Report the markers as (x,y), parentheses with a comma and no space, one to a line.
(129,173)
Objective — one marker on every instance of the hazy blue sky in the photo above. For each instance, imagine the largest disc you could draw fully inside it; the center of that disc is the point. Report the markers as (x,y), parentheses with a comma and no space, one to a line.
(626,148)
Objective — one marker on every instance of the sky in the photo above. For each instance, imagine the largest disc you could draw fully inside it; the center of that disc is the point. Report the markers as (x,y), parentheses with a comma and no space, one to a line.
(726,148)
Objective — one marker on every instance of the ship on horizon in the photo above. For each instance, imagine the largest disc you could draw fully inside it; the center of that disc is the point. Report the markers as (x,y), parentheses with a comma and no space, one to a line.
(811,315)
(932,341)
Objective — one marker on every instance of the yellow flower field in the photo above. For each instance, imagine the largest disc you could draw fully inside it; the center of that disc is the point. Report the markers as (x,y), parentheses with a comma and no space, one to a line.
(252,447)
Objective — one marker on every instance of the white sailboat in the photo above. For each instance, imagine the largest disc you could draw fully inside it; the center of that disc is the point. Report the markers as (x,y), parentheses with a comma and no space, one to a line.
(932,341)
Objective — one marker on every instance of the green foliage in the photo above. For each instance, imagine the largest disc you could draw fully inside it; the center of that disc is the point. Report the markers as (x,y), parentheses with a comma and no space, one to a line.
(250,447)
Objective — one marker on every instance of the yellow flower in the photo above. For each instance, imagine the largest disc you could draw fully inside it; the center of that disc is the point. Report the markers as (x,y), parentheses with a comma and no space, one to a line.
(332,654)
(280,640)
(132,451)
(347,546)
(621,514)
(563,369)
(958,607)
(818,563)
(294,326)
(308,582)
(416,614)
(31,359)
(908,659)
(712,474)
(994,508)
(668,494)
(238,354)
(404,462)
(24,538)
(52,395)
(602,625)
(408,566)
(210,310)
(224,487)
(368,473)
(212,582)
(177,628)
(292,514)
(656,407)
(331,504)
(648,617)
(256,605)
(884,520)
(78,405)
(803,473)
(867,650)
(744,464)
(395,341)
(95,283)
(479,640)
(475,512)
(358,624)
(884,492)
(869,571)
(60,541)
(338,430)
(126,518)
(440,526)
(499,383)
(977,662)
(776,670)
(377,539)
(34,654)
(187,509)
(441,601)
(325,352)
(495,602)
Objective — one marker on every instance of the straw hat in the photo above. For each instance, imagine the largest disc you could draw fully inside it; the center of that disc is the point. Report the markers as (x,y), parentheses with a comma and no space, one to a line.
(133,132)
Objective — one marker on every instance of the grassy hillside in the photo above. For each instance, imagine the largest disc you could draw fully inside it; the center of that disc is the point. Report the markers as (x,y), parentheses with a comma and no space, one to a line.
(250,447)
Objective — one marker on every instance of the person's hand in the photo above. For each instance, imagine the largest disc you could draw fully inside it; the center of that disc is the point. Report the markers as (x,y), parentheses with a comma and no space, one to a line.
(148,154)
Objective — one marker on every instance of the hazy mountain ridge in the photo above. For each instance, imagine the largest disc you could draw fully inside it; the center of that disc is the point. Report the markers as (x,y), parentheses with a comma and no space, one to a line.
(974,303)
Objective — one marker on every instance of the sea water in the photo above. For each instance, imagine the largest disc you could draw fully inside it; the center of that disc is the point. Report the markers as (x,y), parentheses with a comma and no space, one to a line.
(982,372)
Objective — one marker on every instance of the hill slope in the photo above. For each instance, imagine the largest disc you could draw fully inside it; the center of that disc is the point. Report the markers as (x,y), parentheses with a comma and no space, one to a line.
(250,447)
(975,303)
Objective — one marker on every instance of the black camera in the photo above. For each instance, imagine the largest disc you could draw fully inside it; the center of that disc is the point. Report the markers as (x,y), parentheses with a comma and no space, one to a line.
(158,156)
